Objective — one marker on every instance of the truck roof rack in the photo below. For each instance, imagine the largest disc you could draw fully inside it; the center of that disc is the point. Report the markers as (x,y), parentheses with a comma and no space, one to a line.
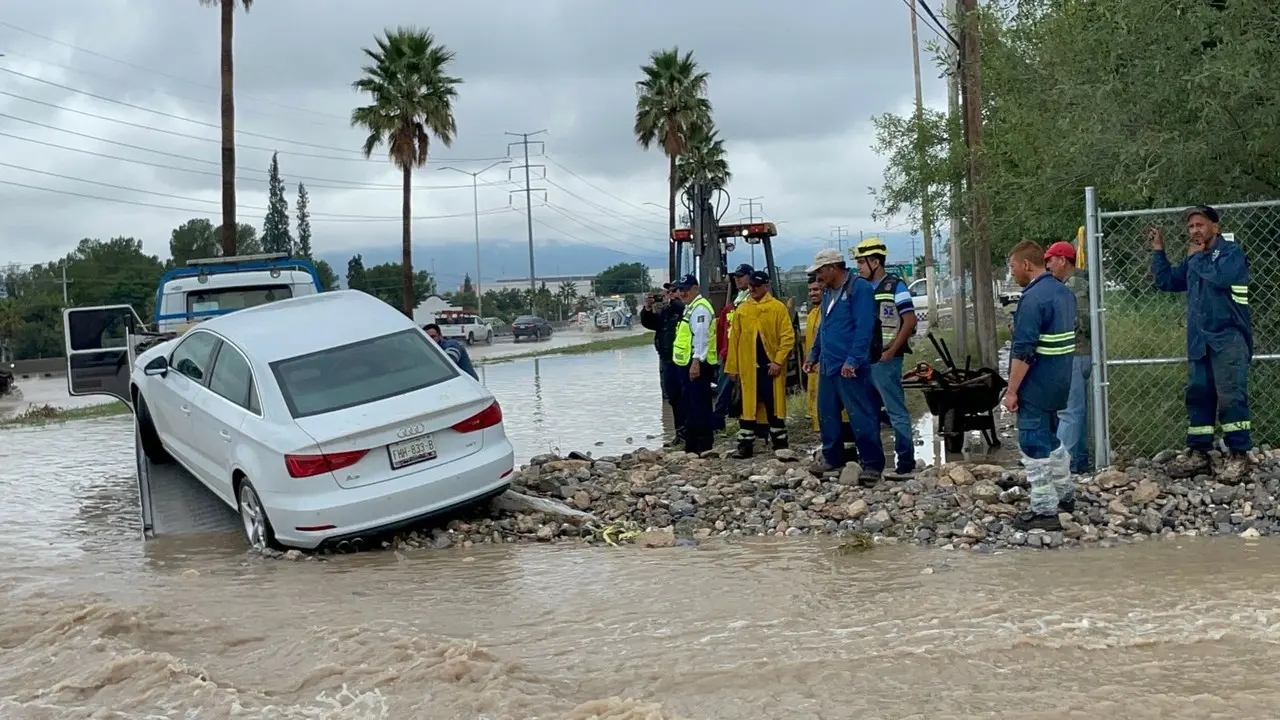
(238,259)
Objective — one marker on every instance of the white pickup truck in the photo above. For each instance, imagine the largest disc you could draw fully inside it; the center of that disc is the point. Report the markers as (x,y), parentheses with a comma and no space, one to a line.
(464,327)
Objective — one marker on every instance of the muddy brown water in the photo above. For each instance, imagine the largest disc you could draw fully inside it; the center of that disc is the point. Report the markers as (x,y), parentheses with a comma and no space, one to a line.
(98,624)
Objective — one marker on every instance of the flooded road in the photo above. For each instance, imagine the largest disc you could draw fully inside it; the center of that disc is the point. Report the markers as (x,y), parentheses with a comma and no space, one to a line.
(99,625)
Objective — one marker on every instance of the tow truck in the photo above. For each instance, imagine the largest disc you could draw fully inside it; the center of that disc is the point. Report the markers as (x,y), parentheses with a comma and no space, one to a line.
(102,343)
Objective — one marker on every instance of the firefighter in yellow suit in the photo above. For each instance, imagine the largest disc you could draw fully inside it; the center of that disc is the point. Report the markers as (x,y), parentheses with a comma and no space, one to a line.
(811,332)
(762,340)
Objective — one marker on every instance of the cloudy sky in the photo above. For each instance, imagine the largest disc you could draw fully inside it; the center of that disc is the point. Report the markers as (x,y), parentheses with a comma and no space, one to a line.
(793,87)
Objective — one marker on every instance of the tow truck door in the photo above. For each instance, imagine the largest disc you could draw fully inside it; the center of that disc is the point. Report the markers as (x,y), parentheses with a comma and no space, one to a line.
(99,344)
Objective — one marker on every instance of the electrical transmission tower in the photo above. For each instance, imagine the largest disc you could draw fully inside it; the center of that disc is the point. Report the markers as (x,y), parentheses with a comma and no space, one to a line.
(840,232)
(751,204)
(528,191)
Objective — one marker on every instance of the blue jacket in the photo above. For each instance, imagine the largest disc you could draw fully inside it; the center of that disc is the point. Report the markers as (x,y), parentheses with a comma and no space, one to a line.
(1217,285)
(457,352)
(1044,336)
(847,330)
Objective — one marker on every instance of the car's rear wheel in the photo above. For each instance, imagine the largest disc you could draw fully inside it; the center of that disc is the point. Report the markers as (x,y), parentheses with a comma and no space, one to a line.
(471,338)
(488,337)
(257,526)
(151,444)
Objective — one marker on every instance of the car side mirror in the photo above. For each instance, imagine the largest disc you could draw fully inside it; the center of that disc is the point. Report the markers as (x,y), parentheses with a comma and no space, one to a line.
(159,366)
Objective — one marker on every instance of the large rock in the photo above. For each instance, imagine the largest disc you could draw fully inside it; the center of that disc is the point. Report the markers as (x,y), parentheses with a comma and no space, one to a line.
(960,475)
(514,502)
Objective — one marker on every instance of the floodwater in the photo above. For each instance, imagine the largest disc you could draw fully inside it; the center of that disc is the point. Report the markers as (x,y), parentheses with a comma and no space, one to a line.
(98,624)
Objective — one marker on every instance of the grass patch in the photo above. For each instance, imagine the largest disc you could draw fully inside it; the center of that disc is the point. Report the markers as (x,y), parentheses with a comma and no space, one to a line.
(46,414)
(643,339)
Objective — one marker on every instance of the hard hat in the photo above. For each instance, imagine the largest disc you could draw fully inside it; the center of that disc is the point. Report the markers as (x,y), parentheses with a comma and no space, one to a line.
(870,247)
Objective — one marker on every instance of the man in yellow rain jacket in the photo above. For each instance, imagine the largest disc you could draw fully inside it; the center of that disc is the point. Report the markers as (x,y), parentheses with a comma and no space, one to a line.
(759,345)
(811,332)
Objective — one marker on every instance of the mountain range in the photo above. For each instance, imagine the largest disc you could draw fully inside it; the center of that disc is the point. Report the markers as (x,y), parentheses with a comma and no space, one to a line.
(507,259)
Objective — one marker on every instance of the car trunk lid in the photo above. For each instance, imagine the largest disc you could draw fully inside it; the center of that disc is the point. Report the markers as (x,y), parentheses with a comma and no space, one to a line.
(400,435)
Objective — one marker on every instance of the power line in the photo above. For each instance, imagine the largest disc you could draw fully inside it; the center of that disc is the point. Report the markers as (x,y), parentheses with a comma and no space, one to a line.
(528,190)
(205,211)
(311,182)
(937,26)
(161,73)
(599,189)
(189,136)
(173,116)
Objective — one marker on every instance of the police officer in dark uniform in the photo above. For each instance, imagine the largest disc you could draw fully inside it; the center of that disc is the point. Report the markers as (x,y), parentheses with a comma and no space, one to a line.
(662,318)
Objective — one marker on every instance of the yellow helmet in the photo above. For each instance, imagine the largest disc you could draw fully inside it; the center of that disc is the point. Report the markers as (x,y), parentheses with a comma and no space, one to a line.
(869,247)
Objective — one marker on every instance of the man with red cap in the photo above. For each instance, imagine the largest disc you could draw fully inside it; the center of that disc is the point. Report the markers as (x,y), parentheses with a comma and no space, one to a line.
(1073,423)
(1215,277)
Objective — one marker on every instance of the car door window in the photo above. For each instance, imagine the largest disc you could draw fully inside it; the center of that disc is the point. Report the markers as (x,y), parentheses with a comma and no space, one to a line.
(192,356)
(231,377)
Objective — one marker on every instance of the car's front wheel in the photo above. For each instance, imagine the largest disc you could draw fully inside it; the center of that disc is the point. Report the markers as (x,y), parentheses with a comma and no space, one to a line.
(471,338)
(151,444)
(257,526)
(488,337)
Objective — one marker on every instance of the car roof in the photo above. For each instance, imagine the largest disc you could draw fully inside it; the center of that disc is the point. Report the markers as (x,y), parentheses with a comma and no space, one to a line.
(229,280)
(307,324)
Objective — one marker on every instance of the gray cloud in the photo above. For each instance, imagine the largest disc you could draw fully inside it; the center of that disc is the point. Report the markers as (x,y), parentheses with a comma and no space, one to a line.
(793,90)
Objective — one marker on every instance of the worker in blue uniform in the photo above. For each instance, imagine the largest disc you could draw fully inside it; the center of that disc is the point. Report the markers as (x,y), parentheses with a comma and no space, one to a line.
(1215,277)
(843,350)
(1040,362)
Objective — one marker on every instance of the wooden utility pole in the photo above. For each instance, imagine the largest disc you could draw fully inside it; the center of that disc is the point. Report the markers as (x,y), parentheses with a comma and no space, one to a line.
(959,300)
(926,211)
(971,78)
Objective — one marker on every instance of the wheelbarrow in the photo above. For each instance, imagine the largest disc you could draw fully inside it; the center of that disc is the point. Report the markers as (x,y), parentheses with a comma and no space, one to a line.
(962,399)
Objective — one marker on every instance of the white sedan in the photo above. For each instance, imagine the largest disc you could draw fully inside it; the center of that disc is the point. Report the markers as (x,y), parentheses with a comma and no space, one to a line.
(321,419)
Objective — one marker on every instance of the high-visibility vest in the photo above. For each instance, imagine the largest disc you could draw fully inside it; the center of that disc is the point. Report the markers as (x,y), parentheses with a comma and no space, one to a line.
(887,316)
(741,298)
(682,351)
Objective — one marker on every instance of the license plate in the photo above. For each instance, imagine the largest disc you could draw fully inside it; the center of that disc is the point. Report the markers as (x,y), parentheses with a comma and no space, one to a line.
(412,451)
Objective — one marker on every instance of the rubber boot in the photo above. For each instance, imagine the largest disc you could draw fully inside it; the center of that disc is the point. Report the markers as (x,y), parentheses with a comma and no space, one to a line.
(778,438)
(1060,474)
(1043,514)
(746,440)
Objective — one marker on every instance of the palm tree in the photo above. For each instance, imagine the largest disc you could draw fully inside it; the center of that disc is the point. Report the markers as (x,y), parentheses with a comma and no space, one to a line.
(670,101)
(567,293)
(229,226)
(412,98)
(704,158)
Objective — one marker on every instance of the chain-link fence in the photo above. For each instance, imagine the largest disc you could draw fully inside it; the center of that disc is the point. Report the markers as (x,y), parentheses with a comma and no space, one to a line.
(1139,389)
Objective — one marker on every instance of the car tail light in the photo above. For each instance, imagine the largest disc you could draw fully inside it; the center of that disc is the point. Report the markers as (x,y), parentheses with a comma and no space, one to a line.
(486,418)
(305,466)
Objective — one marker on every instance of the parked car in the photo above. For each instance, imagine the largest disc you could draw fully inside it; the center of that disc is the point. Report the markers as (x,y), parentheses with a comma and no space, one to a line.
(530,326)
(321,419)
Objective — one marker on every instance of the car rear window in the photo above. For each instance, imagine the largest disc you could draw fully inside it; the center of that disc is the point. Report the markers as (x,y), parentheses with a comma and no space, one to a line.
(360,373)
(236,298)
(526,319)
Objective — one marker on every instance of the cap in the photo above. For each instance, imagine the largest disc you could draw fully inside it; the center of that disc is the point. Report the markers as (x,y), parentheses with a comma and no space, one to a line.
(667,286)
(869,247)
(759,277)
(686,282)
(1061,249)
(743,269)
(825,257)
(1208,212)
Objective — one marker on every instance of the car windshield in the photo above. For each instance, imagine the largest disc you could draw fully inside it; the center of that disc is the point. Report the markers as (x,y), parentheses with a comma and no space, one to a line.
(236,298)
(360,373)
(527,319)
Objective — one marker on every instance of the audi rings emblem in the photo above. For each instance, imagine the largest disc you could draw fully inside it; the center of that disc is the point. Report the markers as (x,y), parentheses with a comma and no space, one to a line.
(412,430)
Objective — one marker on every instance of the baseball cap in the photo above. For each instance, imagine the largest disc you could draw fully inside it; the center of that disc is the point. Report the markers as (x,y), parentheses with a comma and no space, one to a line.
(758,277)
(1061,249)
(686,282)
(827,256)
(1207,211)
(743,269)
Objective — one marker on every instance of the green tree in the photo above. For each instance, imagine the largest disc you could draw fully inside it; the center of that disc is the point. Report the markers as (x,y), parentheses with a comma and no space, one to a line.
(247,242)
(671,100)
(622,279)
(383,282)
(412,98)
(192,240)
(227,61)
(704,158)
(466,284)
(304,222)
(356,279)
(328,278)
(275,226)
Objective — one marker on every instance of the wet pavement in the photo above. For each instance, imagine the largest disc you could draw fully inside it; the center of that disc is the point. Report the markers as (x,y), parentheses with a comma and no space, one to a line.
(98,624)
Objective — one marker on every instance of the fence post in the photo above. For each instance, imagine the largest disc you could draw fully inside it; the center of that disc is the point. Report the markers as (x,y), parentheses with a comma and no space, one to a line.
(1097,329)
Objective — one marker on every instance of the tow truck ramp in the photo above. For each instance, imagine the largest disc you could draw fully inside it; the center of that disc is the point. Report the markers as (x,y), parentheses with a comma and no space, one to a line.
(102,343)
